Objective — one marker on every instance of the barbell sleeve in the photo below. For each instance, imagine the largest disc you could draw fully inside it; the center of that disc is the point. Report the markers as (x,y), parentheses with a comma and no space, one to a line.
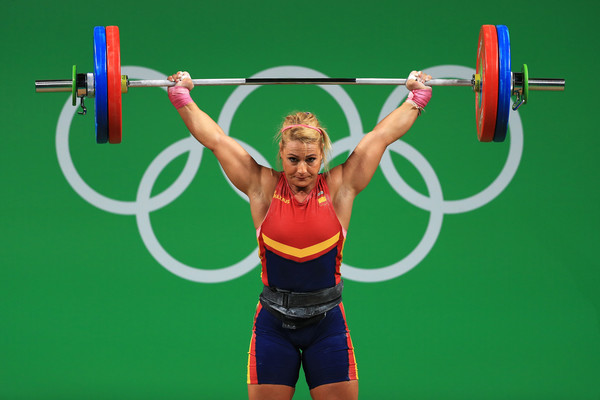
(547,84)
(54,85)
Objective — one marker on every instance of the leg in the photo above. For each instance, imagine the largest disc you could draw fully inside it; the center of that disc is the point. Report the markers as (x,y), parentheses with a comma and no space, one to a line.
(270,392)
(336,391)
(273,361)
(329,362)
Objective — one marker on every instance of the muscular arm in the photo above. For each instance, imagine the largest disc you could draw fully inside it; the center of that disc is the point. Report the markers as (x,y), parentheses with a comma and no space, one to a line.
(359,168)
(351,177)
(241,169)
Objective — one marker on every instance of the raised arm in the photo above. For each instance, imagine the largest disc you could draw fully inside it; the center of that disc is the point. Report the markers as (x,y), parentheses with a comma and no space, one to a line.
(241,169)
(351,177)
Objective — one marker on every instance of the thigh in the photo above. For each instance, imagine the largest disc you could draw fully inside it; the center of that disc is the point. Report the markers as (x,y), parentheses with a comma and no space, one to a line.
(330,357)
(336,391)
(272,358)
(270,392)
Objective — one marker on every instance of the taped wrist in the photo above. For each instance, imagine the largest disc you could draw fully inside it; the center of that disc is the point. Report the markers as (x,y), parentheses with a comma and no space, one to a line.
(419,98)
(179,96)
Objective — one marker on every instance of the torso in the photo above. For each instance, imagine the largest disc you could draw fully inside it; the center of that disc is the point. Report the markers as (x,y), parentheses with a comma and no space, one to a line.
(341,200)
(301,238)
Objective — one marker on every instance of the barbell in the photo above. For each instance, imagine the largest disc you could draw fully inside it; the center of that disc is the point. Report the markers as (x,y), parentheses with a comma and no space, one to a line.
(493,83)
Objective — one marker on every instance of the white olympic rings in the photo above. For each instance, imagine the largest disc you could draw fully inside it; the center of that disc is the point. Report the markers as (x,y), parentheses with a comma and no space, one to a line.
(146,203)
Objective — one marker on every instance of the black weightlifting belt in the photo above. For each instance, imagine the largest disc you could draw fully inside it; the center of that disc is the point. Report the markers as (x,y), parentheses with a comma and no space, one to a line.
(299,309)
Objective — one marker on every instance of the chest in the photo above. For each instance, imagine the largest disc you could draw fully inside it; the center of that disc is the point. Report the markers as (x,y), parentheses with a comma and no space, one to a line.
(301,224)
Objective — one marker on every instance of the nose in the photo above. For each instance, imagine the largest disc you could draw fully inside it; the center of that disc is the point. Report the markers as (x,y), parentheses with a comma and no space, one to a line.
(302,167)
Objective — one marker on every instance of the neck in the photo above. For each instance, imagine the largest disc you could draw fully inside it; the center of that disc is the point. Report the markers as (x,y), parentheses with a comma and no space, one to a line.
(301,192)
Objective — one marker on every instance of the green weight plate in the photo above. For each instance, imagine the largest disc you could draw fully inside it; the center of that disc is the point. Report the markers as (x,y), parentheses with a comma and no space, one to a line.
(74,86)
(525,83)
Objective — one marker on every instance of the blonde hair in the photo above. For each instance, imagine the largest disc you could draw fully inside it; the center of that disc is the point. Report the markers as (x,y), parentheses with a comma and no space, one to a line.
(307,130)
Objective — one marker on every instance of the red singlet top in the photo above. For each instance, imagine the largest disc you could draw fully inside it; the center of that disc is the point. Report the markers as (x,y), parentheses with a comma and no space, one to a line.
(300,244)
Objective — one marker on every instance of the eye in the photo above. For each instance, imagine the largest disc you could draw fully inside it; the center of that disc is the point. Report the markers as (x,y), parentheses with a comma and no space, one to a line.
(311,160)
(292,159)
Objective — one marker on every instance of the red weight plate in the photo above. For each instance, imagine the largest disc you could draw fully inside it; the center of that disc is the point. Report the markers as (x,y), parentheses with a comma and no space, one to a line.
(486,100)
(113,64)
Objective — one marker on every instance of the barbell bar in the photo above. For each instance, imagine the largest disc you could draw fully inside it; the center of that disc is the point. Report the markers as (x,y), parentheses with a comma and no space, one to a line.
(57,85)
(493,83)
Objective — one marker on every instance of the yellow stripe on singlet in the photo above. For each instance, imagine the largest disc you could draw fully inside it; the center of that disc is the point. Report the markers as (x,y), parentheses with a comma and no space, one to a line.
(301,253)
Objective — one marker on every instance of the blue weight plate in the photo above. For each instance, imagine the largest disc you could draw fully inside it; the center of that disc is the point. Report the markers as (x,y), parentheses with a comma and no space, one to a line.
(101,83)
(504,84)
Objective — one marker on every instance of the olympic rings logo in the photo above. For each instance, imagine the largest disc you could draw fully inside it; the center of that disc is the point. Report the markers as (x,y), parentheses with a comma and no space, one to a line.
(146,203)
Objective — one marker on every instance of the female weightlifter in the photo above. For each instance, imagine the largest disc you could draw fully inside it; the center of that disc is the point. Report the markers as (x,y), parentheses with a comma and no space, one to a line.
(301,217)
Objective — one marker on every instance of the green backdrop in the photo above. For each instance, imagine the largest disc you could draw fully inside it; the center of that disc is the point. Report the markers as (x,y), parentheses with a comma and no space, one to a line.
(491,283)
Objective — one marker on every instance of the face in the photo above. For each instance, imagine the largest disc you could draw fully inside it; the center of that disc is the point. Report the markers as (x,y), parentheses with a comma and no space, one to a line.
(301,163)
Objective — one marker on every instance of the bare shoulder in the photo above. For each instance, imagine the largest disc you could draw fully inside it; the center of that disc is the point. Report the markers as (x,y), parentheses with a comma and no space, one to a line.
(338,184)
(260,196)
(269,178)
(342,196)
(267,182)
(341,193)
(333,177)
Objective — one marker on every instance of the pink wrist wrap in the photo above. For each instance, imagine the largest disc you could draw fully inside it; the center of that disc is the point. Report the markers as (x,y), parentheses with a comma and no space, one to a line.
(179,96)
(420,97)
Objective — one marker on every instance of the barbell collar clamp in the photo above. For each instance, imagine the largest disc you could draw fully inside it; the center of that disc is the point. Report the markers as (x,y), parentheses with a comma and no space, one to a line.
(90,85)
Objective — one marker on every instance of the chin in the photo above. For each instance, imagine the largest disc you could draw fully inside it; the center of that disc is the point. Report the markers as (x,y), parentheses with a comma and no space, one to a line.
(303,182)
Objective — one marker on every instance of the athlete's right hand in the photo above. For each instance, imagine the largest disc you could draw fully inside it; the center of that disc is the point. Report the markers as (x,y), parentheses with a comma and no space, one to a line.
(182,79)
